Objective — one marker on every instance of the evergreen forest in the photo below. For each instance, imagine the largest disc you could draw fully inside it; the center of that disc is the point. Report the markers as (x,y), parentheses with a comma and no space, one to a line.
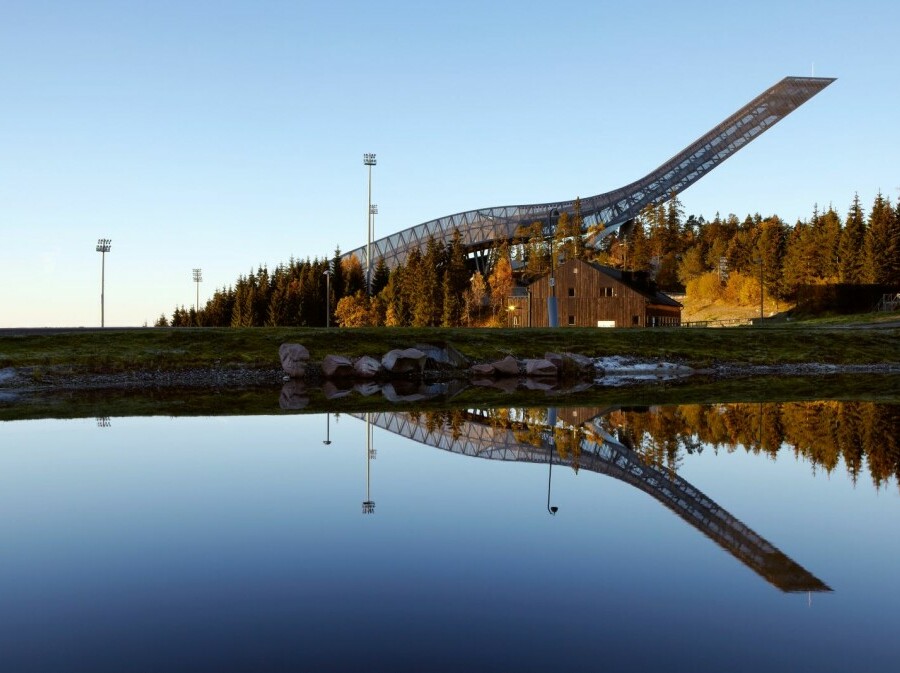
(724,259)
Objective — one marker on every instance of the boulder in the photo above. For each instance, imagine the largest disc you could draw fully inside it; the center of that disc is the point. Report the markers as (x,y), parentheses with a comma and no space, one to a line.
(293,359)
(336,367)
(404,361)
(293,396)
(367,367)
(508,366)
(582,362)
(367,388)
(507,385)
(484,369)
(402,393)
(540,384)
(556,359)
(540,368)
(445,355)
(334,391)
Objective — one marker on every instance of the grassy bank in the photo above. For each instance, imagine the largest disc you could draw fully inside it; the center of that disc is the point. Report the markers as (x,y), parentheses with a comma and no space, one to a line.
(170,349)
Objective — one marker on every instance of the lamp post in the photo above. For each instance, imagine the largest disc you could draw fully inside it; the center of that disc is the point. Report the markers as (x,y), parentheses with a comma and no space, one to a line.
(551,420)
(373,211)
(198,276)
(327,275)
(369,160)
(368,506)
(552,313)
(327,439)
(103,246)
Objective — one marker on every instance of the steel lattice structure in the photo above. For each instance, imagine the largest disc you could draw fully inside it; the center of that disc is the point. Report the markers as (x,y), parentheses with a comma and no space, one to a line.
(481,229)
(476,436)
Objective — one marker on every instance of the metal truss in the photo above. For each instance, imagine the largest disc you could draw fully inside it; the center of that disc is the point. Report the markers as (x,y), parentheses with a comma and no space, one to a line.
(483,228)
(477,436)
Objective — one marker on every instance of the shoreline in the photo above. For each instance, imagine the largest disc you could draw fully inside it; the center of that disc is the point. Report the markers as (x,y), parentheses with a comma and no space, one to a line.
(15,382)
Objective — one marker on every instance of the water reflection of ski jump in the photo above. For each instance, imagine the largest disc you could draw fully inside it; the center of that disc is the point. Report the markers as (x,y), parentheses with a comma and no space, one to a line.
(478,435)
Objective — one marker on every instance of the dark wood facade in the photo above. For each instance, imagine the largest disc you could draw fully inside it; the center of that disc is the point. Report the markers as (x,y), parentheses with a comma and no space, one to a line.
(590,295)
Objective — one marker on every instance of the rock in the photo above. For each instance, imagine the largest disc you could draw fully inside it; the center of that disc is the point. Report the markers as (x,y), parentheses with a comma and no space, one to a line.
(293,359)
(539,384)
(444,355)
(336,367)
(368,388)
(405,361)
(485,369)
(367,367)
(556,359)
(333,391)
(293,396)
(540,367)
(583,363)
(508,366)
(402,393)
(507,385)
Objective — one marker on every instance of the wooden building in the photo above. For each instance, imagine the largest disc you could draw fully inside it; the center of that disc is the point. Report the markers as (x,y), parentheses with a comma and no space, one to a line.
(591,295)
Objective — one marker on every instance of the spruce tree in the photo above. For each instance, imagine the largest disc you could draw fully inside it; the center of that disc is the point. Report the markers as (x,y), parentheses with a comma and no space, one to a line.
(882,244)
(851,250)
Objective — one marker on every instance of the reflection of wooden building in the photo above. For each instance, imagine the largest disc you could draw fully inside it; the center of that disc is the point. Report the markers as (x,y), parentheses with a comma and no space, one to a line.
(591,295)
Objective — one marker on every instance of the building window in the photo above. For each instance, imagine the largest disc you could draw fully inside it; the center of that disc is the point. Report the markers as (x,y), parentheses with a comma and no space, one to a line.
(571,319)
(571,291)
(635,320)
(607,292)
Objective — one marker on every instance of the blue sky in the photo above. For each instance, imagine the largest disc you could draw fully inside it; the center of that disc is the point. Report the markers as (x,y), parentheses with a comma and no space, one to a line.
(228,134)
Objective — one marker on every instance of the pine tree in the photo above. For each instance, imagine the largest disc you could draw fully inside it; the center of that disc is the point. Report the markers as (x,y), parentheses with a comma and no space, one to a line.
(851,250)
(882,244)
(455,282)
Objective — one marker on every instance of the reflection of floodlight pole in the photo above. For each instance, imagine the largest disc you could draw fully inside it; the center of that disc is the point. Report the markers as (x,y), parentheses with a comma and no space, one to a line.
(551,419)
(369,160)
(327,275)
(368,506)
(327,439)
(103,246)
(198,276)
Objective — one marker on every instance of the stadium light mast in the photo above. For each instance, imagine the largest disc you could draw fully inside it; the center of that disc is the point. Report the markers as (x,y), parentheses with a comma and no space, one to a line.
(198,277)
(103,246)
(369,160)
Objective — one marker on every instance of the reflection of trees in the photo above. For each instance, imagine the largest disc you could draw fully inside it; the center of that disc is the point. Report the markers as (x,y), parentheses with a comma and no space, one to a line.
(825,433)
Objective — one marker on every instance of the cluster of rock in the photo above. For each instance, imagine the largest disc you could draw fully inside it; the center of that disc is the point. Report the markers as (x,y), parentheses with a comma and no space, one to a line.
(397,363)
(552,365)
(410,363)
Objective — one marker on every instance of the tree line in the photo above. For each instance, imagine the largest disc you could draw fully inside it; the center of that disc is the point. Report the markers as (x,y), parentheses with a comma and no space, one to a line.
(723,258)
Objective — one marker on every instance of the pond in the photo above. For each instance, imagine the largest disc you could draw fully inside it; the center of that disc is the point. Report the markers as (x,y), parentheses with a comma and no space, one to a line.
(738,537)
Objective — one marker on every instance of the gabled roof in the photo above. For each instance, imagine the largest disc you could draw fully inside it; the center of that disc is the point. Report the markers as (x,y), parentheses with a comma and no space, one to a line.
(653,295)
(627,279)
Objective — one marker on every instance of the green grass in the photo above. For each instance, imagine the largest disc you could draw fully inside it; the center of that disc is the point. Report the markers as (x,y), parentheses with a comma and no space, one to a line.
(111,351)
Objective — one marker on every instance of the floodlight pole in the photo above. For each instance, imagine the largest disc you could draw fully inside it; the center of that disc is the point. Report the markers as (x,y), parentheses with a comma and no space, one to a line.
(552,312)
(198,276)
(327,275)
(373,211)
(103,246)
(369,160)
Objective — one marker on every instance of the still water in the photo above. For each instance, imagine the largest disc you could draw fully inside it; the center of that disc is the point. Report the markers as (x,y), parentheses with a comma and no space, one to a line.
(719,537)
